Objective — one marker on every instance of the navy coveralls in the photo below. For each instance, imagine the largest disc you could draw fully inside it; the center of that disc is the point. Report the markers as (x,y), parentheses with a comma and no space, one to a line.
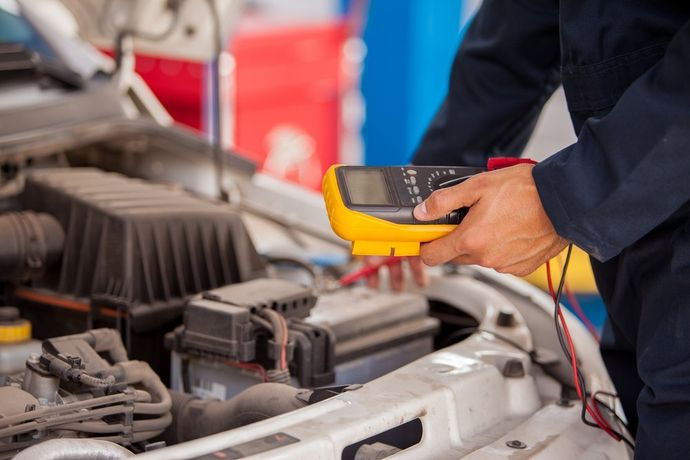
(621,192)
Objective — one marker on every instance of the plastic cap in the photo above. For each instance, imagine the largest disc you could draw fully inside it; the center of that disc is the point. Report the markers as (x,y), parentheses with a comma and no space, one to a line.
(13,329)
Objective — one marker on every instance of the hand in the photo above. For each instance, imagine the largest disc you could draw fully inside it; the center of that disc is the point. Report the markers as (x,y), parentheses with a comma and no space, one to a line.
(395,272)
(506,227)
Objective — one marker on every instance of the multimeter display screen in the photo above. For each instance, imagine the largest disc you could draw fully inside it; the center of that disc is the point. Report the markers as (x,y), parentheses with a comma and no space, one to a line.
(367,187)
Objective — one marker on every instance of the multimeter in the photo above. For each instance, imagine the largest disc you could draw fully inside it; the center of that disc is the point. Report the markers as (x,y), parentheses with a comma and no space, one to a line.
(373,206)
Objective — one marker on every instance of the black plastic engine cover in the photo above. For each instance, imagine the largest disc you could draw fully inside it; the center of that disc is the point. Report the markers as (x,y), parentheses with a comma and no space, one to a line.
(148,245)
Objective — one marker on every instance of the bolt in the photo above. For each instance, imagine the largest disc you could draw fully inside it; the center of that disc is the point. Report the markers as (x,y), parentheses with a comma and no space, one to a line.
(74,361)
(505,319)
(516,444)
(564,402)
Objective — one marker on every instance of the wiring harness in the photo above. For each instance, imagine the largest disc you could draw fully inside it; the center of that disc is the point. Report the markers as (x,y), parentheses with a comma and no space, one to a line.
(590,403)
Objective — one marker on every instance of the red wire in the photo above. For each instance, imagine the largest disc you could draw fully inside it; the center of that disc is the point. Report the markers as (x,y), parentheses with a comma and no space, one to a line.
(368,270)
(258,368)
(595,414)
(577,309)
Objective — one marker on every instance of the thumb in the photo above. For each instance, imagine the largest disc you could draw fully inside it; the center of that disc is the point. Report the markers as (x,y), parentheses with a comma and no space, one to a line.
(443,201)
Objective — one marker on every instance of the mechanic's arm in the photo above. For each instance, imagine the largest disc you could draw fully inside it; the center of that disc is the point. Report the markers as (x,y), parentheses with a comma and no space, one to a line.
(627,173)
(503,73)
(505,70)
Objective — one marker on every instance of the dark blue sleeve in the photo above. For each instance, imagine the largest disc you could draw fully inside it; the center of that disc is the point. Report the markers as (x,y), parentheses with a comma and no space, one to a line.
(629,170)
(505,70)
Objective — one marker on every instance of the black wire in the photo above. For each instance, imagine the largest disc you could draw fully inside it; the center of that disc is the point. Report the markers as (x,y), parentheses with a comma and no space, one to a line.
(566,352)
(546,368)
(612,411)
(278,260)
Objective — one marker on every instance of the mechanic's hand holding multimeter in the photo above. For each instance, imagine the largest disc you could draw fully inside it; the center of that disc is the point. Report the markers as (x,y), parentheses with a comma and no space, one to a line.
(373,206)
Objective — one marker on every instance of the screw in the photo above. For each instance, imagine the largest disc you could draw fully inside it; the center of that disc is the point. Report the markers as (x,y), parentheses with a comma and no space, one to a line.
(516,444)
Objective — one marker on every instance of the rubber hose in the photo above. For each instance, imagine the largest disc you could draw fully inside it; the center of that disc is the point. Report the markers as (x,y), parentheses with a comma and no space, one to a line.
(74,449)
(29,244)
(195,418)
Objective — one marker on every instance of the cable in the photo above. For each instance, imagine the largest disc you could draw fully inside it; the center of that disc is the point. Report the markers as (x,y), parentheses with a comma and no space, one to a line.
(285,260)
(575,304)
(280,335)
(123,33)
(568,348)
(577,308)
(254,367)
(217,113)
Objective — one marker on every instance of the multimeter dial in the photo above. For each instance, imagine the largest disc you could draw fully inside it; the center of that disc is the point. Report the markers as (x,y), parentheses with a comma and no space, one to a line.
(443,178)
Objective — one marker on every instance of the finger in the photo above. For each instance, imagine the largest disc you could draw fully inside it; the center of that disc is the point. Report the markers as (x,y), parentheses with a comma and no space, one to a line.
(443,201)
(396,275)
(373,281)
(465,259)
(439,251)
(419,273)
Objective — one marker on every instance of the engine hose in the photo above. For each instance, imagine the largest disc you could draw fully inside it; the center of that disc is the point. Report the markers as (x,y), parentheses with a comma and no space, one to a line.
(55,411)
(154,424)
(74,449)
(101,427)
(102,340)
(195,418)
(35,424)
(94,426)
(29,243)
(141,372)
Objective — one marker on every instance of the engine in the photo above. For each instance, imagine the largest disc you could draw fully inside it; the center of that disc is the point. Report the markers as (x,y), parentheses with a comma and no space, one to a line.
(132,255)
(83,386)
(106,267)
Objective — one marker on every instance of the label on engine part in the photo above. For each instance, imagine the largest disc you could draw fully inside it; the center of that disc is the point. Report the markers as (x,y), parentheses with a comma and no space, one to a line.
(257,446)
(206,389)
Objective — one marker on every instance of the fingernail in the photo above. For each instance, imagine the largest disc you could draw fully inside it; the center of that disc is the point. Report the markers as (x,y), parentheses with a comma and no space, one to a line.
(420,210)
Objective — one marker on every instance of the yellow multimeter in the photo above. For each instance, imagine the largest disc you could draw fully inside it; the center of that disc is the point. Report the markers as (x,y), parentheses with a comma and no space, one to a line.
(373,206)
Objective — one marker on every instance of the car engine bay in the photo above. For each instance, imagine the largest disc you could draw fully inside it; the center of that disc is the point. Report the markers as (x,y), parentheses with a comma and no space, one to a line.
(162,322)
(141,314)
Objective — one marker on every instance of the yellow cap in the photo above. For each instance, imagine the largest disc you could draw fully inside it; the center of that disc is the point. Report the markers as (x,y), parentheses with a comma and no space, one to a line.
(19,331)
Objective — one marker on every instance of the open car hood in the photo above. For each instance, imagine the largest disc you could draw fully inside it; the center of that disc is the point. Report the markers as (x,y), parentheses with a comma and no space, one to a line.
(191,37)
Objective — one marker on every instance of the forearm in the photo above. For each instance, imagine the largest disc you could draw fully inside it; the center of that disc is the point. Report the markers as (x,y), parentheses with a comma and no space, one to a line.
(629,171)
(502,75)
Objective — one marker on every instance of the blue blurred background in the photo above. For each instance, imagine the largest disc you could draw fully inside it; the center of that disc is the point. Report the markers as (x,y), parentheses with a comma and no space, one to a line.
(410,48)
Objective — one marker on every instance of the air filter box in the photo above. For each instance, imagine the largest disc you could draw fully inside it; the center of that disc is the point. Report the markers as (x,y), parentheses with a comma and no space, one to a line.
(148,246)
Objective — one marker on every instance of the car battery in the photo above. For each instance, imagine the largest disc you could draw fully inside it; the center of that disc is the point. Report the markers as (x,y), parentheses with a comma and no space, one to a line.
(375,332)
(357,335)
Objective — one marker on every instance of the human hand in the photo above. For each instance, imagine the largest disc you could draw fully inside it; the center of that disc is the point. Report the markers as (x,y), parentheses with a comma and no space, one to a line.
(506,227)
(395,272)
